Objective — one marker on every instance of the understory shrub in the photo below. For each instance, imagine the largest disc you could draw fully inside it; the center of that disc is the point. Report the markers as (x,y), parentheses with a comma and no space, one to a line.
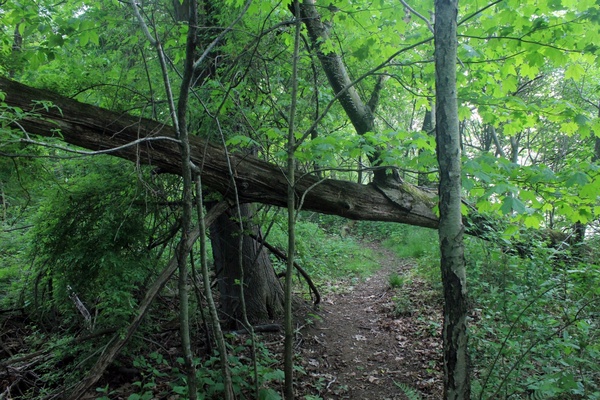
(90,252)
(536,326)
(325,256)
(164,377)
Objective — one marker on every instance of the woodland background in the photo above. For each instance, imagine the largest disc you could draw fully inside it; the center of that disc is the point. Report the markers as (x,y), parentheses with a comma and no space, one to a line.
(223,114)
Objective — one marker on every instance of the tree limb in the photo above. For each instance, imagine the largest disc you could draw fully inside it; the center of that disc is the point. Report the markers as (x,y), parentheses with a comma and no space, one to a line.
(282,256)
(258,181)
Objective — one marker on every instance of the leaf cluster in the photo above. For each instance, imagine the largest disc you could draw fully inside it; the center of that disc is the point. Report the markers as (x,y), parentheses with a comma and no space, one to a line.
(90,239)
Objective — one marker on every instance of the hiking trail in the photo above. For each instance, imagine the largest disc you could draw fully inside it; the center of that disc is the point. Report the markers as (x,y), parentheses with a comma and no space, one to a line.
(370,339)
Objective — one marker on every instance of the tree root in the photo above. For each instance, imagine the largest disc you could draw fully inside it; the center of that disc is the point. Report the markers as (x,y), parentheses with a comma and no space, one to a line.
(282,256)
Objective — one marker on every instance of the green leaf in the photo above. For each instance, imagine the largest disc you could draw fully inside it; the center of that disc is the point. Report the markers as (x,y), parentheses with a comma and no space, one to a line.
(574,71)
(583,215)
(533,221)
(529,71)
(569,128)
(94,38)
(464,113)
(363,51)
(276,375)
(535,58)
(84,38)
(268,394)
(590,191)
(179,389)
(578,178)
(568,382)
(241,141)
(56,40)
(510,204)
(511,230)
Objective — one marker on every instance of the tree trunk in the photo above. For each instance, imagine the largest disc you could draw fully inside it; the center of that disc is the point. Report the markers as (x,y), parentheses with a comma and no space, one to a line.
(456,368)
(360,113)
(263,291)
(596,155)
(258,181)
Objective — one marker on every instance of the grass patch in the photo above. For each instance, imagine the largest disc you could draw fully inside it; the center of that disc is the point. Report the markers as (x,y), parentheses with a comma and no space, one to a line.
(397,281)
(418,244)
(327,257)
(413,242)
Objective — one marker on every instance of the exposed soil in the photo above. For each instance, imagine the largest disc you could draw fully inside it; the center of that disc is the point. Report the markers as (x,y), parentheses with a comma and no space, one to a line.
(371,338)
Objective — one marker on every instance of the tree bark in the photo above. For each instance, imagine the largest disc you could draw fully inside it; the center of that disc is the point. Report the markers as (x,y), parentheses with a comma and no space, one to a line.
(596,155)
(98,129)
(262,290)
(456,368)
(360,113)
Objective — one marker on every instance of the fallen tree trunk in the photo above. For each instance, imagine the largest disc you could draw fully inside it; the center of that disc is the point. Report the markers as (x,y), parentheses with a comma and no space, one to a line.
(258,181)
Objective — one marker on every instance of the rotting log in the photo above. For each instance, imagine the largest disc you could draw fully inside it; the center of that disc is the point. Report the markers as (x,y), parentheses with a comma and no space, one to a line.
(98,129)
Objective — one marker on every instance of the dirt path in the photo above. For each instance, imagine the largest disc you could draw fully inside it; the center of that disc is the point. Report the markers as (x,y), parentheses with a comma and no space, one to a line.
(371,338)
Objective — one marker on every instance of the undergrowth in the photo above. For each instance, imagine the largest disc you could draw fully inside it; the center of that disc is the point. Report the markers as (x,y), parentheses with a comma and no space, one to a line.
(534,326)
(535,330)
(534,321)
(162,377)
(332,260)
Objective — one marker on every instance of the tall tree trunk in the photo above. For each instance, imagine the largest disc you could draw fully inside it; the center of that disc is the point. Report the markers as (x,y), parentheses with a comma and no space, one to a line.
(188,186)
(212,308)
(262,290)
(596,155)
(288,356)
(456,368)
(178,117)
(225,255)
(360,113)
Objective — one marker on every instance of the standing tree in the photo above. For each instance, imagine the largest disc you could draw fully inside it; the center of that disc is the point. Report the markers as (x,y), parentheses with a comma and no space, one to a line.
(456,369)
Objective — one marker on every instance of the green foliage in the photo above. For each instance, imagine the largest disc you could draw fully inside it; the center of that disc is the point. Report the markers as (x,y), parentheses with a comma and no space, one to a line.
(528,192)
(397,281)
(409,392)
(420,244)
(62,361)
(90,239)
(536,328)
(24,175)
(414,242)
(158,371)
(403,305)
(13,259)
(325,255)
(528,71)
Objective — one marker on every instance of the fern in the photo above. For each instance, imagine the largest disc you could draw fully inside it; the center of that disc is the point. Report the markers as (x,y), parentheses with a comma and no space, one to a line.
(408,391)
(538,395)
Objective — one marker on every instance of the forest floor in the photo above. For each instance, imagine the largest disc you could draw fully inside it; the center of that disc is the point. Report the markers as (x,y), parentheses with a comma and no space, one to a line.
(372,341)
(367,340)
